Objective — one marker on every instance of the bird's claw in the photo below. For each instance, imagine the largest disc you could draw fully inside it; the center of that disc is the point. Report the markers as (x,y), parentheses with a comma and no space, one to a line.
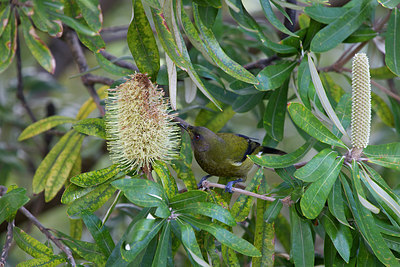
(200,184)
(229,185)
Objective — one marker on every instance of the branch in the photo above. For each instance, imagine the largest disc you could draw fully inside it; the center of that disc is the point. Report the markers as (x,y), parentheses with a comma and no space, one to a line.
(7,244)
(77,54)
(385,90)
(47,233)
(20,84)
(121,63)
(262,63)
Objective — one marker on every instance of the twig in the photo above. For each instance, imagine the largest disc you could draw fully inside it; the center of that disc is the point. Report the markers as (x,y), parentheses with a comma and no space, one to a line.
(77,54)
(207,184)
(260,64)
(20,84)
(385,90)
(93,79)
(7,244)
(47,233)
(121,63)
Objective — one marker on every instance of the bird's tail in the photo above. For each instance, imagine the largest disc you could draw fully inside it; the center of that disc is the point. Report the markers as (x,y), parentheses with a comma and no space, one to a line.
(270,150)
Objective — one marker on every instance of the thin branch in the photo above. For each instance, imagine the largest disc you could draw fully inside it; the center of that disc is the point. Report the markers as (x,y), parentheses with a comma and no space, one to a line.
(207,184)
(93,79)
(77,54)
(7,244)
(20,84)
(385,90)
(47,233)
(121,63)
(262,63)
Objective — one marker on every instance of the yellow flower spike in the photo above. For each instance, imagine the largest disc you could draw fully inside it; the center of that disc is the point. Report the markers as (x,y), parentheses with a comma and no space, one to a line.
(361,103)
(139,128)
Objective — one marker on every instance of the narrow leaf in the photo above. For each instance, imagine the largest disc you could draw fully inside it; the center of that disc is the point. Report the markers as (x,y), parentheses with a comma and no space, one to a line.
(272,18)
(392,58)
(30,245)
(166,178)
(316,168)
(111,67)
(161,256)
(274,76)
(91,126)
(44,125)
(387,155)
(97,177)
(91,12)
(302,241)
(11,202)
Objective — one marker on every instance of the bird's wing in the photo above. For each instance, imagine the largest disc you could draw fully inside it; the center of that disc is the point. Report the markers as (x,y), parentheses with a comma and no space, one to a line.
(239,146)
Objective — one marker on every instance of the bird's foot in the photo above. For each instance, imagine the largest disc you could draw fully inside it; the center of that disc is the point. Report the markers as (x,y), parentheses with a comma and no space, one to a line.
(229,185)
(200,184)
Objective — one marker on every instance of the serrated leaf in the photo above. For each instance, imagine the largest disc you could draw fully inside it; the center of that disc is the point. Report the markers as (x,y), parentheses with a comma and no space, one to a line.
(302,245)
(241,208)
(316,168)
(141,42)
(44,125)
(315,196)
(392,58)
(57,165)
(37,47)
(387,155)
(218,55)
(91,12)
(11,202)
(43,261)
(91,126)
(97,177)
(166,178)
(91,201)
(224,236)
(285,160)
(89,105)
(311,125)
(30,245)
(275,112)
(99,233)
(339,234)
(274,76)
(337,31)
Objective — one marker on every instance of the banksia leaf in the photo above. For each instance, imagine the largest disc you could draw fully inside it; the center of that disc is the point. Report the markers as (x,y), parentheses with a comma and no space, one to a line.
(361,102)
(139,128)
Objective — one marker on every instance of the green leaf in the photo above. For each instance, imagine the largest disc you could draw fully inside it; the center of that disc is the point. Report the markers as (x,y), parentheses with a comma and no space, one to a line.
(180,201)
(30,245)
(52,261)
(392,58)
(339,234)
(166,178)
(311,125)
(273,210)
(337,31)
(272,18)
(362,34)
(8,43)
(365,258)
(382,110)
(111,67)
(91,201)
(88,251)
(141,42)
(245,103)
(97,177)
(224,236)
(214,120)
(343,111)
(37,47)
(11,202)
(91,126)
(389,3)
(91,12)
(285,160)
(302,247)
(304,82)
(241,209)
(336,204)
(333,90)
(161,256)
(387,155)
(43,21)
(324,14)
(44,125)
(55,168)
(139,237)
(75,24)
(274,76)
(381,73)
(209,209)
(99,233)
(275,112)
(218,55)
(316,168)
(4,18)
(75,228)
(315,196)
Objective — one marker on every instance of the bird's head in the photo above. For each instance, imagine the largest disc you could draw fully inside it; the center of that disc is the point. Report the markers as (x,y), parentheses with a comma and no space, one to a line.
(202,138)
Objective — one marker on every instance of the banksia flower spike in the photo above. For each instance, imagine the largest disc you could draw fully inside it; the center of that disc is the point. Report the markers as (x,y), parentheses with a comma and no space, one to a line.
(139,128)
(361,104)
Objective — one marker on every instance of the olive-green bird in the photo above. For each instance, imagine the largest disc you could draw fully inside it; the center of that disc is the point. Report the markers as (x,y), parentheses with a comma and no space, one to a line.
(224,154)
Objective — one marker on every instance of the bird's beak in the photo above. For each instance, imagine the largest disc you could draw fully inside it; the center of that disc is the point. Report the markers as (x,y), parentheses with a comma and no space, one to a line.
(183,124)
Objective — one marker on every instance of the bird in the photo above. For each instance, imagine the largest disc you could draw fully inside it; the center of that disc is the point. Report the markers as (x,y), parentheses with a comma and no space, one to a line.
(224,154)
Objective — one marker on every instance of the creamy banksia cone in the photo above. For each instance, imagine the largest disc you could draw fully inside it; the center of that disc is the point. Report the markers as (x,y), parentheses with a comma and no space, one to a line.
(139,128)
(361,102)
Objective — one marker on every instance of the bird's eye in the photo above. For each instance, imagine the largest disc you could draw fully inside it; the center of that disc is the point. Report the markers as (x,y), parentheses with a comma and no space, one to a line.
(197,136)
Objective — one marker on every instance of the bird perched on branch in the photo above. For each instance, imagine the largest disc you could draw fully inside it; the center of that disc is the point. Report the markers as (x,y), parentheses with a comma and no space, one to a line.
(224,154)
